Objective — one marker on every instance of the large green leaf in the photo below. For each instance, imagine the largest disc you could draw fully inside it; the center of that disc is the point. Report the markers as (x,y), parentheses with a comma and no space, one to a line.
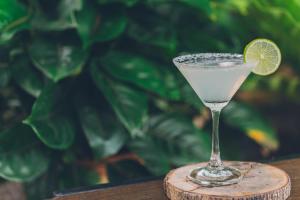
(13,18)
(87,21)
(126,2)
(189,96)
(20,157)
(104,134)
(203,5)
(43,187)
(148,28)
(94,25)
(175,139)
(25,75)
(252,123)
(130,105)
(5,75)
(58,177)
(112,26)
(68,7)
(50,118)
(54,15)
(191,39)
(142,72)
(57,57)
(76,176)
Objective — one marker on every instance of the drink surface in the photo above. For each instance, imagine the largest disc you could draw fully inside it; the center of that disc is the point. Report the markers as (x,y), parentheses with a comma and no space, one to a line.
(216,82)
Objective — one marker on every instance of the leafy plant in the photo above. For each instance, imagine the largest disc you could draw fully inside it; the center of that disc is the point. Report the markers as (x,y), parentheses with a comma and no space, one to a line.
(88,87)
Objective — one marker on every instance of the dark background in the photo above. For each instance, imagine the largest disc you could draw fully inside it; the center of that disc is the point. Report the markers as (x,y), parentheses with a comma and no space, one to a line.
(89,93)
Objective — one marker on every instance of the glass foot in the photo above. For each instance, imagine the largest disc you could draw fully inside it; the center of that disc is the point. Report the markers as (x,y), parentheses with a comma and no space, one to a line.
(211,177)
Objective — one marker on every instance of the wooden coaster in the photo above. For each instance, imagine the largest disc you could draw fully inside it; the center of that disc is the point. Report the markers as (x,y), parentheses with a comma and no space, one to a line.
(260,181)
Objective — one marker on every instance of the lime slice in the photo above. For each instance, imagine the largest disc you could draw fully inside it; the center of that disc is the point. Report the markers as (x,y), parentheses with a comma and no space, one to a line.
(265,53)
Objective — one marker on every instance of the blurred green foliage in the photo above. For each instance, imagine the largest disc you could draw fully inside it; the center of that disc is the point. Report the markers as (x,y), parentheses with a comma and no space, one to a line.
(89,85)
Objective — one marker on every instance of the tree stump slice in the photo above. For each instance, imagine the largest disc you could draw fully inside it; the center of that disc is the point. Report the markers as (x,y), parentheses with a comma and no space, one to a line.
(260,182)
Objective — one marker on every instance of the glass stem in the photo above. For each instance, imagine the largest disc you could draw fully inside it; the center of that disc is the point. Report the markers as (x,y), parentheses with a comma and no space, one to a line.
(215,158)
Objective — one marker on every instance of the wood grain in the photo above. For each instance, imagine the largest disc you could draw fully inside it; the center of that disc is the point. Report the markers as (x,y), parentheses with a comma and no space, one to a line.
(153,190)
(260,181)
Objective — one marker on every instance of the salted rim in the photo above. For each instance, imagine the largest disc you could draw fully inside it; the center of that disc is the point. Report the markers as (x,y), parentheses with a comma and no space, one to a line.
(211,61)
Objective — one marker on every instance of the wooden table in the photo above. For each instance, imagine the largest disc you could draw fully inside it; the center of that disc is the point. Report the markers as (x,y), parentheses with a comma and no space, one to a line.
(153,189)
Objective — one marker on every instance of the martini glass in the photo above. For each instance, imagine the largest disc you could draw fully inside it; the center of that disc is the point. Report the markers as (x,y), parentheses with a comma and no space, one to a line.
(215,77)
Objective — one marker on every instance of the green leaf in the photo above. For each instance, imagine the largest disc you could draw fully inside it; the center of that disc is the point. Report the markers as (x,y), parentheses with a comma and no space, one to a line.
(252,83)
(20,157)
(50,119)
(126,2)
(191,39)
(148,149)
(60,177)
(76,176)
(104,134)
(203,5)
(159,36)
(112,26)
(175,139)
(94,27)
(40,22)
(55,15)
(57,57)
(87,19)
(130,105)
(67,7)
(189,96)
(13,18)
(149,28)
(252,123)
(5,75)
(25,75)
(43,186)
(142,72)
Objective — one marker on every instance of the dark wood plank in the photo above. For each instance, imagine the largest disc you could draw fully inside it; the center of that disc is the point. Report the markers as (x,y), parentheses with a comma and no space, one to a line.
(139,191)
(292,167)
(153,190)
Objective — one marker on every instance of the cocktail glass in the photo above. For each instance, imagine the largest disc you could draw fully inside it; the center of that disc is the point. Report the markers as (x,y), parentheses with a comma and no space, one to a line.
(215,77)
